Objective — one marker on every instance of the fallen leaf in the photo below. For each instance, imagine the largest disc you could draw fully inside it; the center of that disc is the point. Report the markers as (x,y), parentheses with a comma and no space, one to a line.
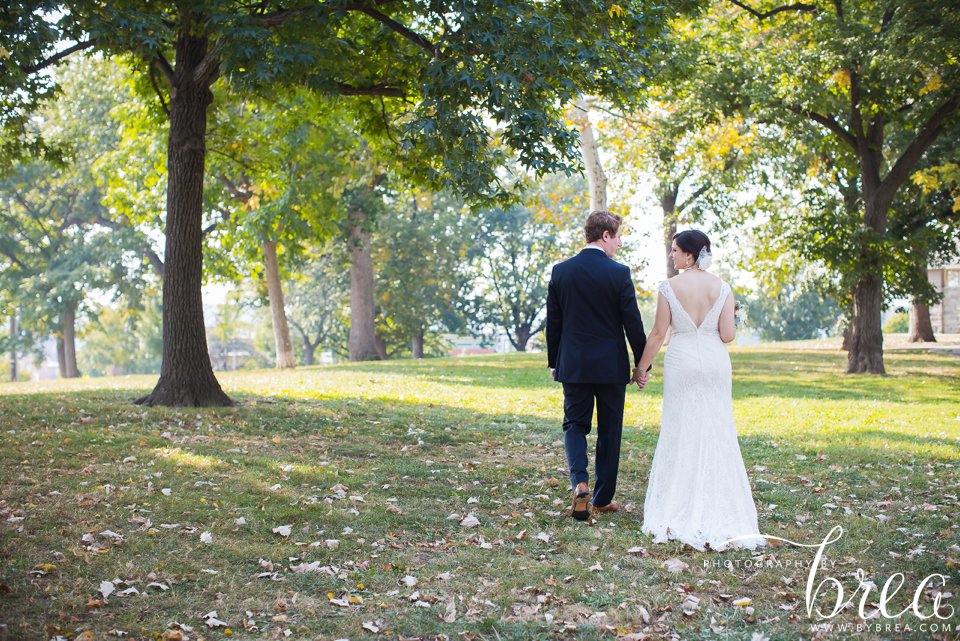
(370,627)
(206,537)
(283,530)
(674,565)
(450,613)
(408,581)
(690,604)
(107,588)
(470,521)
(210,618)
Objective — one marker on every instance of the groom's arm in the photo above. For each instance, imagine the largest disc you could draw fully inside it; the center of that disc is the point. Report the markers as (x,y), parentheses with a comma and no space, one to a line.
(632,322)
(554,323)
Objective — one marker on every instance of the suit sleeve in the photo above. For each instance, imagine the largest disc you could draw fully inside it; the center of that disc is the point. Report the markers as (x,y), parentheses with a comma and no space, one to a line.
(554,323)
(632,323)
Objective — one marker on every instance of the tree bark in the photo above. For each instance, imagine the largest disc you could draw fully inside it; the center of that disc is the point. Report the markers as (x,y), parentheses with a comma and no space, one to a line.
(13,349)
(668,204)
(381,345)
(68,323)
(417,344)
(308,353)
(866,337)
(281,331)
(363,342)
(921,329)
(521,335)
(186,373)
(61,356)
(591,156)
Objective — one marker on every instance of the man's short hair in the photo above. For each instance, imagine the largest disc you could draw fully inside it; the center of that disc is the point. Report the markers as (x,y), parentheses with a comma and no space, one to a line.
(599,222)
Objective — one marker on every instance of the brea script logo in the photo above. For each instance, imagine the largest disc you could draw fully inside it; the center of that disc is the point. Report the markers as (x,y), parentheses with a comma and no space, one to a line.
(865,587)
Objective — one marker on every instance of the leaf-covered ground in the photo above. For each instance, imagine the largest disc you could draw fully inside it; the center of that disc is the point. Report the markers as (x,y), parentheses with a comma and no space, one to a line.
(428,500)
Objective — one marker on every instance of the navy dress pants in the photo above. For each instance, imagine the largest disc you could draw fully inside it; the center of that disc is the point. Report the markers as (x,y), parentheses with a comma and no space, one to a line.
(578,402)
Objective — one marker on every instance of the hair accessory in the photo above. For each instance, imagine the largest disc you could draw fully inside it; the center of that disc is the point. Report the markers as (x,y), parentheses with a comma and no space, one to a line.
(704,258)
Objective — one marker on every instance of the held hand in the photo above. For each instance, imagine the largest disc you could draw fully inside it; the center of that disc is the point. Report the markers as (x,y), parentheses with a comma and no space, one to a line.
(553,373)
(640,378)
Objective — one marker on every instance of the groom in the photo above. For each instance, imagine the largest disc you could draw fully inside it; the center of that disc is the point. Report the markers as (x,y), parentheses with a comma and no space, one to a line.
(591,303)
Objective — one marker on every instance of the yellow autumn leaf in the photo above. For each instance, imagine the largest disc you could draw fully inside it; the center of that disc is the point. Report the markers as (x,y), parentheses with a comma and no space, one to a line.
(615,11)
(934,82)
(4,53)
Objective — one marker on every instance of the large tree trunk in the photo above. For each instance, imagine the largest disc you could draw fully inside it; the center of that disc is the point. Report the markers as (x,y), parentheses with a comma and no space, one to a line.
(13,348)
(68,323)
(363,342)
(417,344)
(866,338)
(381,345)
(921,329)
(521,335)
(308,353)
(186,374)
(281,331)
(591,156)
(61,356)
(668,204)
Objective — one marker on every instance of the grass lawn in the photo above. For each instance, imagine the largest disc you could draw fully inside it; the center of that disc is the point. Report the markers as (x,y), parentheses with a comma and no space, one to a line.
(428,500)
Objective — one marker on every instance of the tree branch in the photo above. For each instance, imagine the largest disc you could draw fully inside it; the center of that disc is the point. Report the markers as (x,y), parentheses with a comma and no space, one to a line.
(830,123)
(156,88)
(57,57)
(373,90)
(404,31)
(763,15)
(209,68)
(166,68)
(694,196)
(908,159)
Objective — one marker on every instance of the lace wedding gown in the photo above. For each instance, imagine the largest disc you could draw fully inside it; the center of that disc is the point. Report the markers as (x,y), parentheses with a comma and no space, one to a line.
(698,491)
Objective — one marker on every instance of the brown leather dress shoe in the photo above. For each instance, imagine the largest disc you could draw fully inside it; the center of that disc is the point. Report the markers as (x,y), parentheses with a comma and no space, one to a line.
(612,506)
(581,503)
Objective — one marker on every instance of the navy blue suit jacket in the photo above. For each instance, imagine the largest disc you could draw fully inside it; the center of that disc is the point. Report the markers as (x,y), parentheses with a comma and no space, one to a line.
(591,304)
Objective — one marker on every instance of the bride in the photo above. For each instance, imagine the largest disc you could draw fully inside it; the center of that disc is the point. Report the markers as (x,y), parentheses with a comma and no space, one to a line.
(698,491)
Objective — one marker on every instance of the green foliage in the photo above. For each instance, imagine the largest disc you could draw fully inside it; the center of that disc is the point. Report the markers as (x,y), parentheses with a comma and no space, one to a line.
(425,80)
(317,303)
(511,255)
(795,314)
(419,250)
(59,244)
(899,323)
(856,91)
(123,341)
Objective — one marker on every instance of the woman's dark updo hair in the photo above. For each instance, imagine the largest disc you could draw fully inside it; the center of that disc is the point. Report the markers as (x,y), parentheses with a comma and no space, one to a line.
(692,241)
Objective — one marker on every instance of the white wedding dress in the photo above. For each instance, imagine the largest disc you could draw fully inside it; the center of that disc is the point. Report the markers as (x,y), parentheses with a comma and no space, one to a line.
(698,491)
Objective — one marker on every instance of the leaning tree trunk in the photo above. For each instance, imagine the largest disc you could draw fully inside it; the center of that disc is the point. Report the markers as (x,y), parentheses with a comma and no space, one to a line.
(591,156)
(417,344)
(68,324)
(281,331)
(363,341)
(13,348)
(186,374)
(668,204)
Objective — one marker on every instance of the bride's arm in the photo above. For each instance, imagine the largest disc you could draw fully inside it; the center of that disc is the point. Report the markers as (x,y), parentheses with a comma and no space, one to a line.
(728,325)
(657,335)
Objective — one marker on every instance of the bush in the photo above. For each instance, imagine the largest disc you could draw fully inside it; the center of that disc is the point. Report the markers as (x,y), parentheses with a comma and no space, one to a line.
(899,323)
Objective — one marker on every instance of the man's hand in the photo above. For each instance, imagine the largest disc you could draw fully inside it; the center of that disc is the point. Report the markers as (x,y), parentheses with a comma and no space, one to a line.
(640,378)
(553,373)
